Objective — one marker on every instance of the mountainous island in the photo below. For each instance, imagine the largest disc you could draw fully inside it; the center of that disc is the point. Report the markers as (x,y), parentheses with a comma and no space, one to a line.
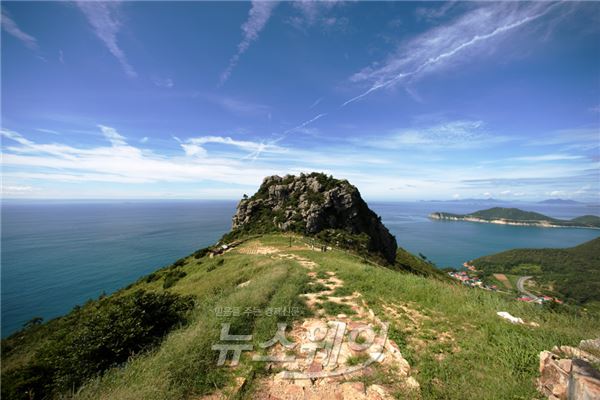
(515,216)
(560,201)
(308,297)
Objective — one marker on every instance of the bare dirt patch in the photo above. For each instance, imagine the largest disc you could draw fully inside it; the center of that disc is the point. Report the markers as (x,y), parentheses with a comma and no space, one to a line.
(257,249)
(502,278)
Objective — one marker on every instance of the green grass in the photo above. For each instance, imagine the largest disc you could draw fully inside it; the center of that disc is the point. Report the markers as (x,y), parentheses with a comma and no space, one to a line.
(486,357)
(502,358)
(333,308)
(513,279)
(357,360)
(314,287)
(322,275)
(342,291)
(185,363)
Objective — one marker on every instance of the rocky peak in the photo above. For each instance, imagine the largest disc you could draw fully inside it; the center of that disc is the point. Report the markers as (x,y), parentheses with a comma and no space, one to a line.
(310,204)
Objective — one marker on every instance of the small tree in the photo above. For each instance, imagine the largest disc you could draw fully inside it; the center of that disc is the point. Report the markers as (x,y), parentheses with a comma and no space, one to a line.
(35,321)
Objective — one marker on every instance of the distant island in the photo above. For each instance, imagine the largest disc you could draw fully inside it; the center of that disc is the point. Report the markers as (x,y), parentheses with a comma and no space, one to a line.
(515,216)
(559,201)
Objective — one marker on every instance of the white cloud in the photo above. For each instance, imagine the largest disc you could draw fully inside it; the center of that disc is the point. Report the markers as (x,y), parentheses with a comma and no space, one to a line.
(311,13)
(125,169)
(144,139)
(439,47)
(549,157)
(193,150)
(443,45)
(461,134)
(315,103)
(17,189)
(557,193)
(106,22)
(238,106)
(15,136)
(166,83)
(124,163)
(257,19)
(48,131)
(11,27)
(433,11)
(573,139)
(240,144)
(113,136)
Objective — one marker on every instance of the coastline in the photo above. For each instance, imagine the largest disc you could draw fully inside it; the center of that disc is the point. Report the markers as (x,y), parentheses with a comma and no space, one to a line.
(541,224)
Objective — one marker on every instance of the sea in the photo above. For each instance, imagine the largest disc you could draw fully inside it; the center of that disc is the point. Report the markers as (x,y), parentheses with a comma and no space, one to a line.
(58,254)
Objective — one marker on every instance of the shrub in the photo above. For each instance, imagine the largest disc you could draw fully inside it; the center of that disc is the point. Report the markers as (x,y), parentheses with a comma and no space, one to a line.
(172,277)
(94,338)
(152,277)
(179,263)
(28,382)
(201,253)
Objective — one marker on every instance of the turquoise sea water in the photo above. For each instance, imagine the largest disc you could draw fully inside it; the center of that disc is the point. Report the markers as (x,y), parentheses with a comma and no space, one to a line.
(56,255)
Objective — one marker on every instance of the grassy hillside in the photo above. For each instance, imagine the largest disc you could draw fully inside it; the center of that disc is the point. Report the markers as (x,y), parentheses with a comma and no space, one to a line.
(573,272)
(450,335)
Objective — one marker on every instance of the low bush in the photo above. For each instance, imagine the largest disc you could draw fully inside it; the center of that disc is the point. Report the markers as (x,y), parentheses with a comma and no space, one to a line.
(172,277)
(93,338)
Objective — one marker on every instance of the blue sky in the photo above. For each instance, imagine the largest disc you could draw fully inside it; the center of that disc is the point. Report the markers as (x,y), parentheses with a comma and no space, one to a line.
(202,100)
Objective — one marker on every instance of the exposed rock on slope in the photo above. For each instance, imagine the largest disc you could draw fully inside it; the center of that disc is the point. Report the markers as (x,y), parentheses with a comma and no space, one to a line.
(569,373)
(311,204)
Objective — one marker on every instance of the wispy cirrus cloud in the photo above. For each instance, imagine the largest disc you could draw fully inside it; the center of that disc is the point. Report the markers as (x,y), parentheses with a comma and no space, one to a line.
(194,146)
(434,11)
(442,46)
(259,15)
(317,13)
(10,26)
(239,106)
(587,138)
(114,137)
(165,83)
(105,19)
(437,48)
(549,157)
(460,134)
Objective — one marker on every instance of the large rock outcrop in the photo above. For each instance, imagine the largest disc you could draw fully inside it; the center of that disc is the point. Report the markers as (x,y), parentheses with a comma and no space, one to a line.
(310,204)
(570,373)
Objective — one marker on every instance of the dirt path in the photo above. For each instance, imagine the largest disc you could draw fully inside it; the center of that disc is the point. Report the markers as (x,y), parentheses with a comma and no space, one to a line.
(336,353)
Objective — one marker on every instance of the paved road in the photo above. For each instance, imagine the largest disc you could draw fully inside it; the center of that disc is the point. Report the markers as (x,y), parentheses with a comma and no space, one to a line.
(521,287)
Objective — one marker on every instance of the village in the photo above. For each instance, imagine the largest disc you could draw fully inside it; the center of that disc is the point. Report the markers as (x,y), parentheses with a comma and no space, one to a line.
(470,277)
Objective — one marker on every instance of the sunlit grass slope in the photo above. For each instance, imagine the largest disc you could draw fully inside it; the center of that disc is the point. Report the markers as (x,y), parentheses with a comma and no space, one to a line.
(456,344)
